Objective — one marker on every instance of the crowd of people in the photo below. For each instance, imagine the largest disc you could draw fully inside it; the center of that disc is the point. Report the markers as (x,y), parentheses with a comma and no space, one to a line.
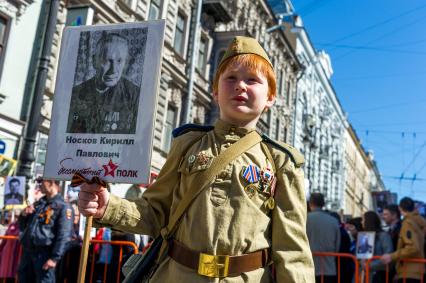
(394,240)
(49,242)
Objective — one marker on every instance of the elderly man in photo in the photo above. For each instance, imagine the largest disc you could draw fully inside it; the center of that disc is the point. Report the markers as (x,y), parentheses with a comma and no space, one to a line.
(107,103)
(14,196)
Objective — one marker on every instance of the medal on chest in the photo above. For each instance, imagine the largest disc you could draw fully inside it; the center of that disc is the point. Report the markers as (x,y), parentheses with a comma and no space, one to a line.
(250,173)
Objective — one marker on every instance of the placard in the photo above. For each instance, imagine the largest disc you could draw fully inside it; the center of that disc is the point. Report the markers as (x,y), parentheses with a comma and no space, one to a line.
(365,245)
(105,102)
(14,190)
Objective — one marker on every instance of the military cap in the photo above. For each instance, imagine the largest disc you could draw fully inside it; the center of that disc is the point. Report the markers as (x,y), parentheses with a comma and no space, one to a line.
(244,45)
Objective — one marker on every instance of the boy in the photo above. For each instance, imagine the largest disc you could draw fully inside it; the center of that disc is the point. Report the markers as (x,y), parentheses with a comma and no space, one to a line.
(255,204)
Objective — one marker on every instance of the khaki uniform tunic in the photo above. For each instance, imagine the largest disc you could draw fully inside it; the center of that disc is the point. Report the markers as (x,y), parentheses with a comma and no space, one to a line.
(223,219)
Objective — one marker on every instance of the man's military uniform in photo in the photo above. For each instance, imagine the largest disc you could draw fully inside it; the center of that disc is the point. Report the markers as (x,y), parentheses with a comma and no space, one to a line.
(111,112)
(232,216)
(45,234)
(410,245)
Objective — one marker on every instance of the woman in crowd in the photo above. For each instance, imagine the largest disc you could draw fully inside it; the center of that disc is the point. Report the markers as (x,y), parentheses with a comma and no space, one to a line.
(382,245)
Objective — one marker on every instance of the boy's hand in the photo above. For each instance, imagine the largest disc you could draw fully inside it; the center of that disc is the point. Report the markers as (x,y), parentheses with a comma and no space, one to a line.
(92,200)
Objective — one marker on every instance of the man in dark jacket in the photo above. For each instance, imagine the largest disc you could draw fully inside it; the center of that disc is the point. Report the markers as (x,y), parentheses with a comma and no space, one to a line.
(46,227)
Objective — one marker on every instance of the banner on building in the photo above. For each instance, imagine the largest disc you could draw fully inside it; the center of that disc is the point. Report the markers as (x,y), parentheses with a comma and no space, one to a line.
(7,166)
(105,102)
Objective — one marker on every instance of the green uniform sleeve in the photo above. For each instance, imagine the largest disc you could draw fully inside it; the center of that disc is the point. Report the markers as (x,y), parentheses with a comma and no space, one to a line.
(150,213)
(290,247)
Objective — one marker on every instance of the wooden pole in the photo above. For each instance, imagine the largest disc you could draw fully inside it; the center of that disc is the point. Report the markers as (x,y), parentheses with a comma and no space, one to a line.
(84,250)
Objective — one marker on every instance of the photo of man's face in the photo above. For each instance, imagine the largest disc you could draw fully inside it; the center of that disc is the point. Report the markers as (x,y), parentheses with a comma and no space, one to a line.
(14,186)
(110,61)
(14,191)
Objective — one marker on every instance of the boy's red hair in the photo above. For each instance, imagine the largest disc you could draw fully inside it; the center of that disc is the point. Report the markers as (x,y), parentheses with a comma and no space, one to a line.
(253,62)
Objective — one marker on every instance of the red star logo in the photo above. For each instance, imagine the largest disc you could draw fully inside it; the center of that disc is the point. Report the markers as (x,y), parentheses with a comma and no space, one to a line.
(110,168)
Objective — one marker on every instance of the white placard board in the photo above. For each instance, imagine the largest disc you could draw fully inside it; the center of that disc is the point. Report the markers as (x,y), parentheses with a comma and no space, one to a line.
(365,245)
(105,101)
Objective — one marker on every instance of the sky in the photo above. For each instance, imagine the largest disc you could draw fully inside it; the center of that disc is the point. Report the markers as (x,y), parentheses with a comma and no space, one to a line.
(378,54)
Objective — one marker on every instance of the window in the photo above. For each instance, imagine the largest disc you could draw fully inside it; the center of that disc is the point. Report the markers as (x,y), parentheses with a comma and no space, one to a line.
(154,10)
(4,32)
(179,43)
(279,82)
(288,92)
(277,129)
(170,124)
(202,55)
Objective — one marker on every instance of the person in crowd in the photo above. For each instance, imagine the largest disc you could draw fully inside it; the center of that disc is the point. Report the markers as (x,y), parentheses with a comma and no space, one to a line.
(108,102)
(353,226)
(324,236)
(382,245)
(9,251)
(46,229)
(347,266)
(254,208)
(392,217)
(410,244)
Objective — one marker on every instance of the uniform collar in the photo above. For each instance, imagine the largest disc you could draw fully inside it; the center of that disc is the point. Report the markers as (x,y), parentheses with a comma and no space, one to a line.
(223,128)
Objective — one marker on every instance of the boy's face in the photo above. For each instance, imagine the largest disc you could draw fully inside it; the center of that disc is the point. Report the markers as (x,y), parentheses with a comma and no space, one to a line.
(242,95)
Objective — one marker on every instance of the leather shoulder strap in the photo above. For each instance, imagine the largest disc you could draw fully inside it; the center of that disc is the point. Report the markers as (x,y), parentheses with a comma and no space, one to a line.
(206,177)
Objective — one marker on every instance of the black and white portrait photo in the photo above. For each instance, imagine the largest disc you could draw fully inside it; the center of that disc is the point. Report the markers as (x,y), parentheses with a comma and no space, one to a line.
(105,102)
(14,190)
(107,82)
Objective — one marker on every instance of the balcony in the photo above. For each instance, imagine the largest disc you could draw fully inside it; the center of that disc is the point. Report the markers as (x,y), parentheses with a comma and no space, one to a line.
(220,10)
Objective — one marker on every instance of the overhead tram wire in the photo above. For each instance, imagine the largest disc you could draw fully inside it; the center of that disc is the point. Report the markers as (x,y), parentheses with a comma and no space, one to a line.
(309,10)
(383,36)
(397,17)
(387,106)
(413,159)
(378,49)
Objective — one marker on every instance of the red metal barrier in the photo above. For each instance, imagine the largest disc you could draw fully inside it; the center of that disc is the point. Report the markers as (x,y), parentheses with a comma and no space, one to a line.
(120,258)
(67,258)
(367,269)
(389,280)
(339,256)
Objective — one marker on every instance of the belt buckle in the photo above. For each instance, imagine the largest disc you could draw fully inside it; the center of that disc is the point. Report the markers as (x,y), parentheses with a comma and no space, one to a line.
(213,265)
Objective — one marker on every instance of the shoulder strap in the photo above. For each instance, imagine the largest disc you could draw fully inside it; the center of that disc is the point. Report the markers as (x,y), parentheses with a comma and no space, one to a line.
(190,127)
(293,153)
(222,160)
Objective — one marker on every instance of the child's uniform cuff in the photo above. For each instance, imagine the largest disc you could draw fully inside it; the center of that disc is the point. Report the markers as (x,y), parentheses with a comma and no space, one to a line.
(112,213)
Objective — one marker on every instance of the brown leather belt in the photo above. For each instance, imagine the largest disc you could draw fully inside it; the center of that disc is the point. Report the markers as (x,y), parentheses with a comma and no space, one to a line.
(219,265)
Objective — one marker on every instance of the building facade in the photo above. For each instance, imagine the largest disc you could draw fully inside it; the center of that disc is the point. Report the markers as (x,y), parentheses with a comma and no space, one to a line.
(319,123)
(18,22)
(220,21)
(359,176)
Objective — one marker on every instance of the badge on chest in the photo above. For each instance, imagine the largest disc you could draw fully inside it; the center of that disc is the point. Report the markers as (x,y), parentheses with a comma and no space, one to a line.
(260,181)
